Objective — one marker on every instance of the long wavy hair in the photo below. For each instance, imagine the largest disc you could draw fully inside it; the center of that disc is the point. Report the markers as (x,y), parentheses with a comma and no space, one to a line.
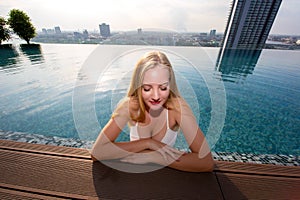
(148,61)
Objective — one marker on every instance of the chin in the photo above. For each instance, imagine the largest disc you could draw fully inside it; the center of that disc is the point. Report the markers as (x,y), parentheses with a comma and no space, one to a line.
(155,107)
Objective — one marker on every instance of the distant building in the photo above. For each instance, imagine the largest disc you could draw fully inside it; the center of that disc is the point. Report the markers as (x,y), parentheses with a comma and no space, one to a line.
(212,34)
(249,23)
(44,31)
(77,35)
(50,31)
(203,36)
(104,30)
(85,34)
(57,30)
(139,31)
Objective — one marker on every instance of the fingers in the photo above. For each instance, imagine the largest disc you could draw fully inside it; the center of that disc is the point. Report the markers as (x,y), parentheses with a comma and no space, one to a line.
(164,155)
(130,159)
(170,154)
(127,159)
(135,159)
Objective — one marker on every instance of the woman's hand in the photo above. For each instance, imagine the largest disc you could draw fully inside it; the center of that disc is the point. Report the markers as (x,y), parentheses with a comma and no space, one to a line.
(148,157)
(141,158)
(160,154)
(169,154)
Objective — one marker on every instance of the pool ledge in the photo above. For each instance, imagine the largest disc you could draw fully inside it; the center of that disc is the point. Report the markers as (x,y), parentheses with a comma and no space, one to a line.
(38,171)
(275,159)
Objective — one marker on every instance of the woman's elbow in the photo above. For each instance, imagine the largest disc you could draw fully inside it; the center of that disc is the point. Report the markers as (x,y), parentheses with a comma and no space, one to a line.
(209,164)
(93,155)
(209,167)
(96,155)
(94,159)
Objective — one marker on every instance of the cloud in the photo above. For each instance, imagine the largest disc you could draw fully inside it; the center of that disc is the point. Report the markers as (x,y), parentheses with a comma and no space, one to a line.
(178,15)
(178,19)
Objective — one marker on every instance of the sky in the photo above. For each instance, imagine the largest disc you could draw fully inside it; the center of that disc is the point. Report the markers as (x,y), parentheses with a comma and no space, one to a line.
(129,15)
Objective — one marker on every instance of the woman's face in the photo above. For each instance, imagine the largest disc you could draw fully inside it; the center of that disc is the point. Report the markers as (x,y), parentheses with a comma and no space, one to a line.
(155,88)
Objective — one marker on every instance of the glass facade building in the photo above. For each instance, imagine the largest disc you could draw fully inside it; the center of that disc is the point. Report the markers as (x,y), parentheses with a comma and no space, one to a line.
(249,23)
(248,27)
(104,30)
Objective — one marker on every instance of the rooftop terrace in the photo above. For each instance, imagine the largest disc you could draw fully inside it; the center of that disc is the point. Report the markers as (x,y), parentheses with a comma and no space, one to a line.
(35,171)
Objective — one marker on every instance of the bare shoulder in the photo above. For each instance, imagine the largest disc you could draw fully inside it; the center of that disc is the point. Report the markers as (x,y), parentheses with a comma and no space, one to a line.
(121,114)
(122,107)
(182,107)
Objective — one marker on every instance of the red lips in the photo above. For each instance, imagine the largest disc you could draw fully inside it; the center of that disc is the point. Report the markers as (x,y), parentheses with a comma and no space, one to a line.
(155,102)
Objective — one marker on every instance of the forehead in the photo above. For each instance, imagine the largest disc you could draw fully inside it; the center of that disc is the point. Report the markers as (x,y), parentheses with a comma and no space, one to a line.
(156,75)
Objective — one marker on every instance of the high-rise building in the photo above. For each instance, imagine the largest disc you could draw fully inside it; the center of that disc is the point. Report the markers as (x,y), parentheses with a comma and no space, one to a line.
(85,34)
(44,31)
(248,27)
(57,30)
(212,33)
(139,31)
(249,23)
(104,30)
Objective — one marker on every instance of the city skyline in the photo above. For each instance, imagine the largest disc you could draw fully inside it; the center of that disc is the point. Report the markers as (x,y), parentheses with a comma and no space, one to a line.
(180,16)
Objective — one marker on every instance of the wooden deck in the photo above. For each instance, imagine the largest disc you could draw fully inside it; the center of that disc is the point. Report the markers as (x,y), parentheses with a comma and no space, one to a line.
(31,171)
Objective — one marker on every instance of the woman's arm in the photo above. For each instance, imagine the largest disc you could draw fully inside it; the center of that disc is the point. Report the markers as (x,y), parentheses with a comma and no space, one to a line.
(200,158)
(106,148)
(186,162)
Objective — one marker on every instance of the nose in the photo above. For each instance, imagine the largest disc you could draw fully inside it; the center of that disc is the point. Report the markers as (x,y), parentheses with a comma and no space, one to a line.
(155,95)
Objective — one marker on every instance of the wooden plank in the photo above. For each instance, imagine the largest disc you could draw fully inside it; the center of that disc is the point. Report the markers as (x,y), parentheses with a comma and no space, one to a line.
(242,186)
(45,149)
(35,171)
(164,183)
(23,195)
(48,173)
(261,169)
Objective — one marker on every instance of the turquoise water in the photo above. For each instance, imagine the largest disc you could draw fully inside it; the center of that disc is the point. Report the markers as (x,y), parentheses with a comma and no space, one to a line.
(262,113)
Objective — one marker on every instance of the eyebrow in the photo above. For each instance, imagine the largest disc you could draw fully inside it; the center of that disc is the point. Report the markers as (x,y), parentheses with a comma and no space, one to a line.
(160,84)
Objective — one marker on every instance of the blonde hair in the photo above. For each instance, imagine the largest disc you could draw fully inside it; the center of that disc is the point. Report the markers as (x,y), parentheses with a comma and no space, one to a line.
(149,61)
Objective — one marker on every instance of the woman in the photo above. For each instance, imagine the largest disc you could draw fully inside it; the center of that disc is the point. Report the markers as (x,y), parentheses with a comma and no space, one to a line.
(154,111)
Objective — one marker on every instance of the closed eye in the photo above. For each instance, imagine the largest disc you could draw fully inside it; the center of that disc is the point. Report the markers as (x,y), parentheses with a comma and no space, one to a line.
(146,89)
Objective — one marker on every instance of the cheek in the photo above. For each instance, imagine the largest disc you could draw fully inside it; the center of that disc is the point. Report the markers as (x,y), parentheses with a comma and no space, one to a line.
(145,95)
(165,94)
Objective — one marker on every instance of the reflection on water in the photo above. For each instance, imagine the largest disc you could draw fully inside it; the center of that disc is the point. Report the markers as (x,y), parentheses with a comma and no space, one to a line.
(262,114)
(33,52)
(235,64)
(13,57)
(8,55)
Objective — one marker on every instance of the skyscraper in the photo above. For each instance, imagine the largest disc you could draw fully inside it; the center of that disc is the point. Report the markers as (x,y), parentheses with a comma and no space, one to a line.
(57,30)
(212,33)
(104,30)
(248,27)
(249,23)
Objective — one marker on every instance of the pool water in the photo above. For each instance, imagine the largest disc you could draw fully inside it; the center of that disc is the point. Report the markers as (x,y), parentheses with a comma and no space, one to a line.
(262,113)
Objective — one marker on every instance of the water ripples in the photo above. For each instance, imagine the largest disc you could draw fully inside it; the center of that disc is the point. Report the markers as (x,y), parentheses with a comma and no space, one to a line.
(263,107)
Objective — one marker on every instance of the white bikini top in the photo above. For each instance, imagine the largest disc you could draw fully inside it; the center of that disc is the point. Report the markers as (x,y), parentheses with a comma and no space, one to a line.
(169,138)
